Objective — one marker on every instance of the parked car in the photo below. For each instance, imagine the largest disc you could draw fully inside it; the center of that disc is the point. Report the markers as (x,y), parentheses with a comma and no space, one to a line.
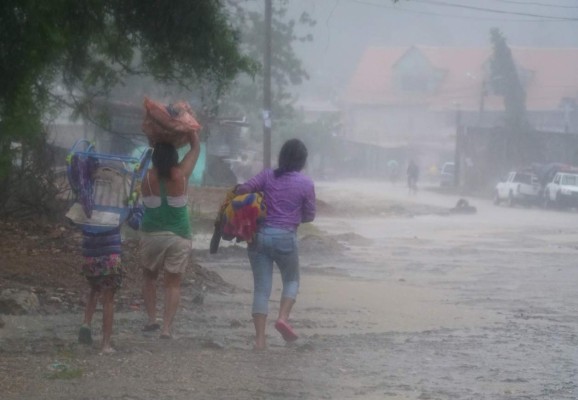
(562,191)
(520,187)
(447,174)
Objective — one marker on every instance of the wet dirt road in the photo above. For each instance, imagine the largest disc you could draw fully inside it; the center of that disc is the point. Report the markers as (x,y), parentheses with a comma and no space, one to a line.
(399,300)
(513,268)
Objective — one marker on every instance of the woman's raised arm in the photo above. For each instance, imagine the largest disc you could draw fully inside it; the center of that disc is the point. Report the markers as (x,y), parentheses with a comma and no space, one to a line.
(190,160)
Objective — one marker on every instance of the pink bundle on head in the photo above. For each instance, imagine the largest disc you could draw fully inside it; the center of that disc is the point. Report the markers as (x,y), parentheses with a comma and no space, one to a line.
(174,123)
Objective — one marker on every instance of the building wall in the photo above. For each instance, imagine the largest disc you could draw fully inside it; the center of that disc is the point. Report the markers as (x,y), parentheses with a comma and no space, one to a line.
(382,134)
(485,158)
(397,125)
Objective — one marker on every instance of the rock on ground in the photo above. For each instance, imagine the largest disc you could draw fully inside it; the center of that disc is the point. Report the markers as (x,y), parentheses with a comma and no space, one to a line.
(18,302)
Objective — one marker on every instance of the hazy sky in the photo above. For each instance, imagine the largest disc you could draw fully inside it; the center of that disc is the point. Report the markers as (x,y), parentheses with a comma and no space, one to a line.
(346,27)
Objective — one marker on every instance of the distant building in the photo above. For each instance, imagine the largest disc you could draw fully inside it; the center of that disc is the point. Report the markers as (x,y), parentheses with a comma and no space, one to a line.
(405,100)
(315,109)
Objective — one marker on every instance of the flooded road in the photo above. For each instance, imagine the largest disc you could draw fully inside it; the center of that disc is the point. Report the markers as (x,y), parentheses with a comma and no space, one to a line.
(512,273)
(399,300)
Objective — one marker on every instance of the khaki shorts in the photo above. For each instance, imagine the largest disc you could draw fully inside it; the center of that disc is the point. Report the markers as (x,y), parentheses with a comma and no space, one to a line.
(165,250)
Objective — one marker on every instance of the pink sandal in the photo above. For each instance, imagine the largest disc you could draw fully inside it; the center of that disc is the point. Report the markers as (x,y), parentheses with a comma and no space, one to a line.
(286,331)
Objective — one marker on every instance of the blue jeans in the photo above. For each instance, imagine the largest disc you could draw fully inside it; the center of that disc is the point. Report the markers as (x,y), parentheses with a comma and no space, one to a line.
(279,246)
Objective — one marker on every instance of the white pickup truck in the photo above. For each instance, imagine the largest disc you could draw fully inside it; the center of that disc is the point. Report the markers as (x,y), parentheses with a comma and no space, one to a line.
(518,188)
(562,191)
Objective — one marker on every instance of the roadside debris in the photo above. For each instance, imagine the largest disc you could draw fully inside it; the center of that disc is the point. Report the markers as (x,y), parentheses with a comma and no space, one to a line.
(463,207)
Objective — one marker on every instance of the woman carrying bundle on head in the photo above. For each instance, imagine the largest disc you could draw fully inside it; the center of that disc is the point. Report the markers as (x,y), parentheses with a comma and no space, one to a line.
(166,230)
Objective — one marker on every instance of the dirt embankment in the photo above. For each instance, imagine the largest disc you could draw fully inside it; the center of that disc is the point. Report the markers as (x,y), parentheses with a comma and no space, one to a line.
(45,257)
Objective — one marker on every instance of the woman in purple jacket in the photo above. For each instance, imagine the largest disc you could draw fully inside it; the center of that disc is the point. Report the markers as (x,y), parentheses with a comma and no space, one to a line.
(289,197)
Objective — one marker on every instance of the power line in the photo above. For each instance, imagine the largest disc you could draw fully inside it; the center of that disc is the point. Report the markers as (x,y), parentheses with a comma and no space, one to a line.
(531,3)
(327,24)
(423,12)
(493,10)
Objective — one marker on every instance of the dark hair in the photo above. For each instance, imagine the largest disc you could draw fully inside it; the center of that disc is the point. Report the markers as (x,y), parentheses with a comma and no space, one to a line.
(165,157)
(292,157)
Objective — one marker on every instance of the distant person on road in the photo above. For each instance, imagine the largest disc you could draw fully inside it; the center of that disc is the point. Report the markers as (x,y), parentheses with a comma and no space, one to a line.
(412,177)
(289,197)
(166,229)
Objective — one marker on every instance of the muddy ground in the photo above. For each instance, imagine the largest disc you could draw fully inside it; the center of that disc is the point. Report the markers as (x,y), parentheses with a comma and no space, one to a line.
(399,300)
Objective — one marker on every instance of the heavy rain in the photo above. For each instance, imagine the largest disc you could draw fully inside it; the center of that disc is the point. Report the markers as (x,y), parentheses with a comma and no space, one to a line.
(289,199)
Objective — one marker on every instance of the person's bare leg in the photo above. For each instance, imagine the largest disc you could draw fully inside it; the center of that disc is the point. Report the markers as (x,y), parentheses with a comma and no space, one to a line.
(90,307)
(107,319)
(85,334)
(260,322)
(149,293)
(172,300)
(285,308)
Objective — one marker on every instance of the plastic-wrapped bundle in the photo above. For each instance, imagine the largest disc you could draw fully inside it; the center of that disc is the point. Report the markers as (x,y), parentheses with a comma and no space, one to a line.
(173,123)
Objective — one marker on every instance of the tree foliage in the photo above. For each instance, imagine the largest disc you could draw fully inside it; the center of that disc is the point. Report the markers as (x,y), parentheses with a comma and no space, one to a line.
(287,70)
(67,52)
(35,187)
(506,81)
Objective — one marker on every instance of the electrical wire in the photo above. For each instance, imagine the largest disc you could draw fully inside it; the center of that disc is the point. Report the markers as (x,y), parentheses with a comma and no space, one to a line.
(424,12)
(532,3)
(327,24)
(493,10)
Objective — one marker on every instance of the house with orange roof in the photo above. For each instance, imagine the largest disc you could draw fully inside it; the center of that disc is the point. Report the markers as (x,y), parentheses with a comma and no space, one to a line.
(405,100)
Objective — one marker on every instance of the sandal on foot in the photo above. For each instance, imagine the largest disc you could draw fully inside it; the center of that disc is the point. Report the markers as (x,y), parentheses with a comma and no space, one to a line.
(85,335)
(151,328)
(286,331)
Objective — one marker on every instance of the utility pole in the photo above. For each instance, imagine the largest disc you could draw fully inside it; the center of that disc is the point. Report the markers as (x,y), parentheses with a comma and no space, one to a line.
(482,106)
(457,154)
(267,87)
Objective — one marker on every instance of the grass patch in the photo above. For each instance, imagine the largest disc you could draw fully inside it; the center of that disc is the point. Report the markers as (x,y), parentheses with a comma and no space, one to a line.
(63,367)
(66,373)
(64,370)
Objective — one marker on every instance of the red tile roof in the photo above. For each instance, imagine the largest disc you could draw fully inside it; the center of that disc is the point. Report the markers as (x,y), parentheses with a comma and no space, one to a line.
(554,76)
